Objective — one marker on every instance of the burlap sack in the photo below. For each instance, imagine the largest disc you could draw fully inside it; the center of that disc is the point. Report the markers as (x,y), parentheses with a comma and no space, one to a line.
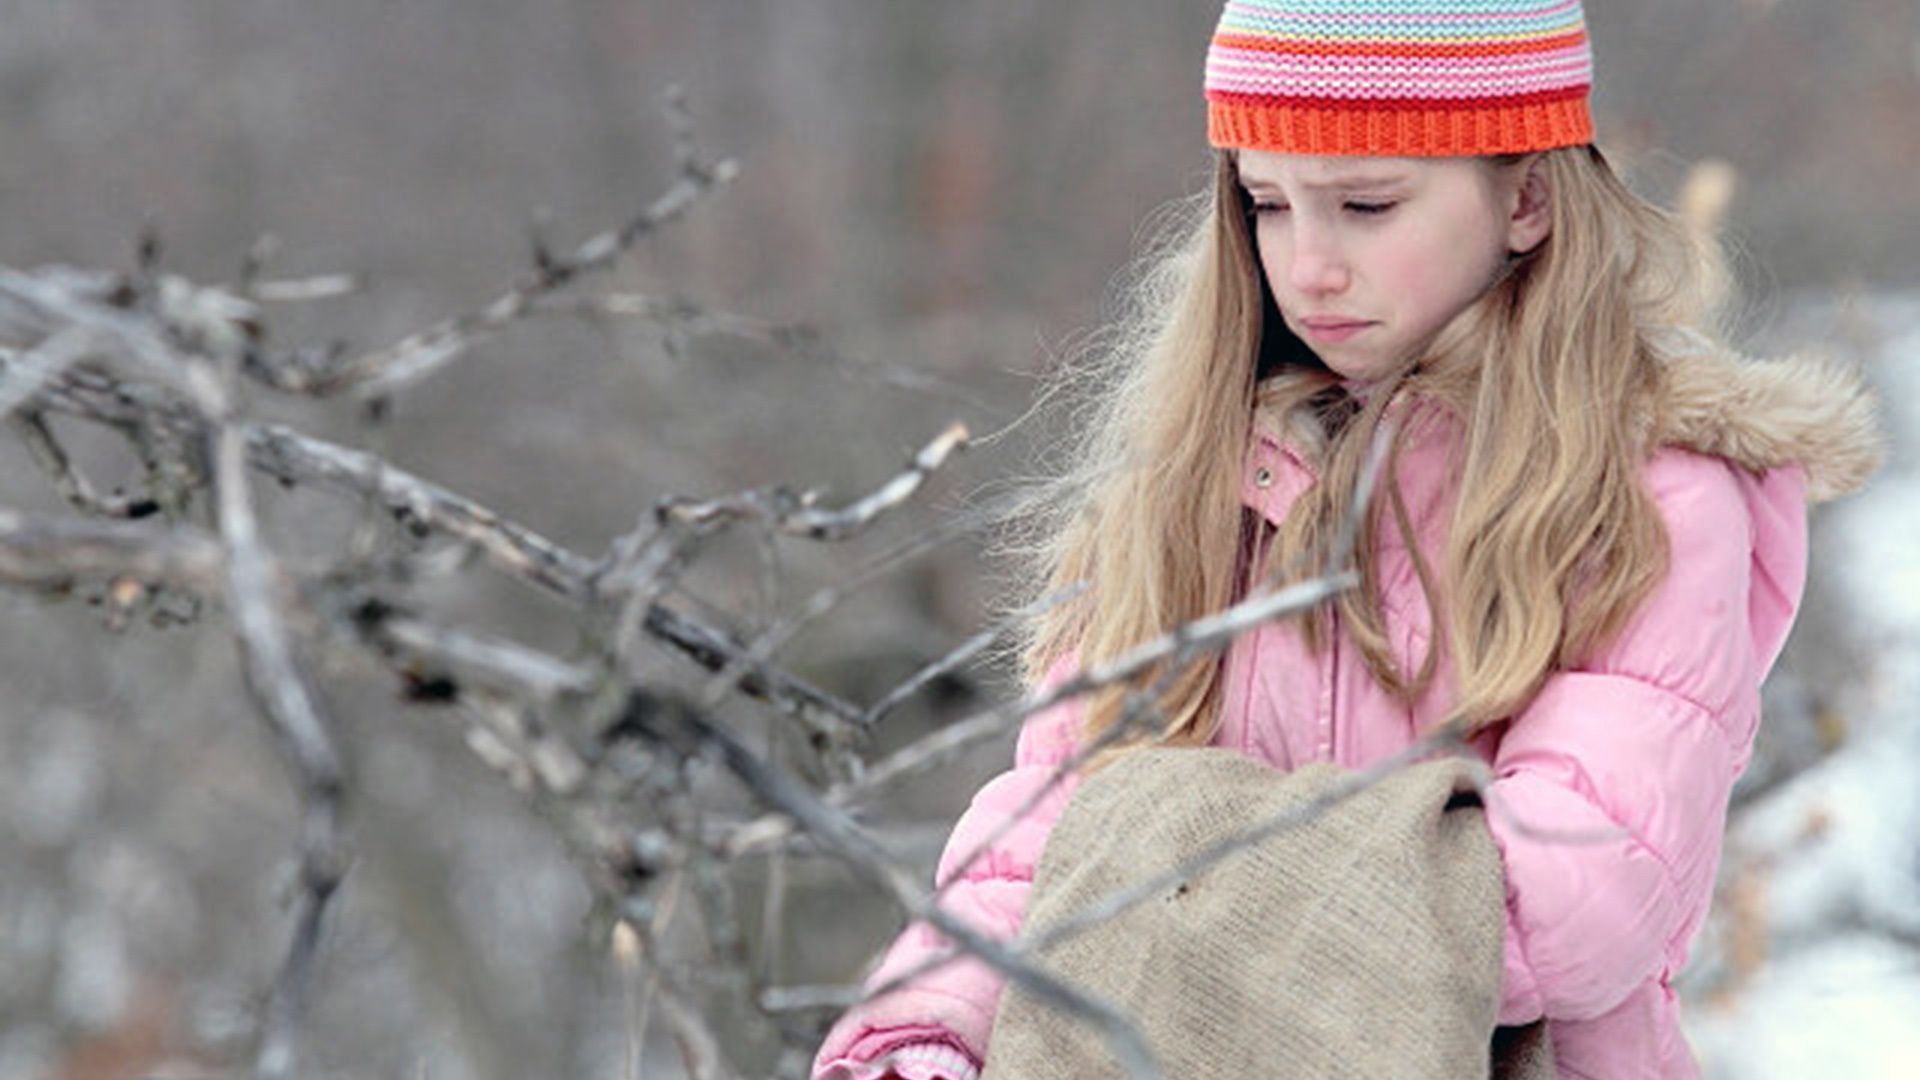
(1365,943)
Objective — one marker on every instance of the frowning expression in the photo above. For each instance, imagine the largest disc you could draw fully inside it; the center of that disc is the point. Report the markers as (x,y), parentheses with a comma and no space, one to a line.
(1369,258)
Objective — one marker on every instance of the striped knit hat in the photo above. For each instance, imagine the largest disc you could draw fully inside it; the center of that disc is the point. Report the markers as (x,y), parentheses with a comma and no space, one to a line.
(1400,78)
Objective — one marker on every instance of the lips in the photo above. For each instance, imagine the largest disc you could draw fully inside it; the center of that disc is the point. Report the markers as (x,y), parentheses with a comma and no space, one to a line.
(1331,328)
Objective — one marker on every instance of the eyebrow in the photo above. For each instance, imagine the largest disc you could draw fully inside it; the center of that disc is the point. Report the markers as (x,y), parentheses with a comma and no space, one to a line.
(1346,183)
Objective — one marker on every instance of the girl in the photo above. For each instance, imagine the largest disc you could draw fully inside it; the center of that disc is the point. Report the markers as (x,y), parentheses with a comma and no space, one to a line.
(1588,542)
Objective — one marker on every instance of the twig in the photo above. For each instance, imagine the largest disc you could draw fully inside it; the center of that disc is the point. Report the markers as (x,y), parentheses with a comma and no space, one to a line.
(419,503)
(655,562)
(827,716)
(799,517)
(36,550)
(642,1010)
(689,730)
(295,458)
(699,1046)
(1140,705)
(280,691)
(301,290)
(489,661)
(28,371)
(679,316)
(58,301)
(966,651)
(47,453)
(383,371)
(1194,638)
(1191,639)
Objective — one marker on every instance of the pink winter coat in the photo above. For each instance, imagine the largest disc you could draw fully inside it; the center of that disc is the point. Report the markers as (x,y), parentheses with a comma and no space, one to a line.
(1642,744)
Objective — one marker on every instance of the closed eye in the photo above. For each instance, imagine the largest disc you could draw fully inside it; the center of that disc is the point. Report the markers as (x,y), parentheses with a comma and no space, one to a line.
(1351,207)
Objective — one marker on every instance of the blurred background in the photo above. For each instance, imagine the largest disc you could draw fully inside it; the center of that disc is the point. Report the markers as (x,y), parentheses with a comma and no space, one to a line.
(944,195)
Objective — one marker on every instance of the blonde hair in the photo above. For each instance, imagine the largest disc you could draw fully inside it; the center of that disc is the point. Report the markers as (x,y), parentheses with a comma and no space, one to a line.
(1553,542)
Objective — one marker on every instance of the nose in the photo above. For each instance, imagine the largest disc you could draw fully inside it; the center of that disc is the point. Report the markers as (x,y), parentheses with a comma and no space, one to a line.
(1317,267)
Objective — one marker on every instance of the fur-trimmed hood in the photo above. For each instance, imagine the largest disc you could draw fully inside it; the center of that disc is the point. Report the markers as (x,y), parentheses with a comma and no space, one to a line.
(1808,411)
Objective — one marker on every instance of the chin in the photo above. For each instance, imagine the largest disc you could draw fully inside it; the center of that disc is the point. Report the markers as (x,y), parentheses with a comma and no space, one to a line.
(1357,371)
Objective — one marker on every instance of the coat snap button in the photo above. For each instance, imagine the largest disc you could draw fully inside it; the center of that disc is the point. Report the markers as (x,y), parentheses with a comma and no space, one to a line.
(1263,477)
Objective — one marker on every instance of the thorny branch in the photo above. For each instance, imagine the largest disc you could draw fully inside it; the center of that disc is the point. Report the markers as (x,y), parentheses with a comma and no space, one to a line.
(160,385)
(605,754)
(160,361)
(427,509)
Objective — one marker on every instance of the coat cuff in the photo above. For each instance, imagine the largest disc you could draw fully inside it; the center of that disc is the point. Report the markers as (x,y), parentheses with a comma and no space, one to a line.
(912,1053)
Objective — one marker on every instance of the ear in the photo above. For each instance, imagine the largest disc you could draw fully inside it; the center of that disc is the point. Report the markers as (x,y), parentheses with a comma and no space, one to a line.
(1529,205)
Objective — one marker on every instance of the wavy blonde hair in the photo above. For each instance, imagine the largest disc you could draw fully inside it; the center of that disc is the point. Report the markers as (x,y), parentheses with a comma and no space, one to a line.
(1553,543)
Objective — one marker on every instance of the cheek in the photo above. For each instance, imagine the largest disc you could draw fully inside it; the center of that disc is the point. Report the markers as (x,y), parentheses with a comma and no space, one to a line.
(1267,251)
(1442,264)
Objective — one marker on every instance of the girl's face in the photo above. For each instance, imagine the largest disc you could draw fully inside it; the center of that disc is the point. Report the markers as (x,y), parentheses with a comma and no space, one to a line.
(1369,257)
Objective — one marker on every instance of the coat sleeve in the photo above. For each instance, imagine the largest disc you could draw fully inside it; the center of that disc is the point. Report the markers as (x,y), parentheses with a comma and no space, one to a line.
(1629,760)
(954,1004)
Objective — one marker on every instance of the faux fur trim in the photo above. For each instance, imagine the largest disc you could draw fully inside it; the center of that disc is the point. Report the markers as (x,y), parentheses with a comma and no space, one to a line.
(1808,411)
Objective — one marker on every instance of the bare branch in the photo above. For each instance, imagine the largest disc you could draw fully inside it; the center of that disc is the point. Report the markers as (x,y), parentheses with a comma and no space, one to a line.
(966,651)
(1202,635)
(423,505)
(815,525)
(281,692)
(295,458)
(160,360)
(1141,705)
(1181,644)
(1141,711)
(44,304)
(648,566)
(28,371)
(800,517)
(672,725)
(829,717)
(301,290)
(418,355)
(686,147)
(493,662)
(52,458)
(680,314)
(43,552)
(291,290)
(699,1046)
